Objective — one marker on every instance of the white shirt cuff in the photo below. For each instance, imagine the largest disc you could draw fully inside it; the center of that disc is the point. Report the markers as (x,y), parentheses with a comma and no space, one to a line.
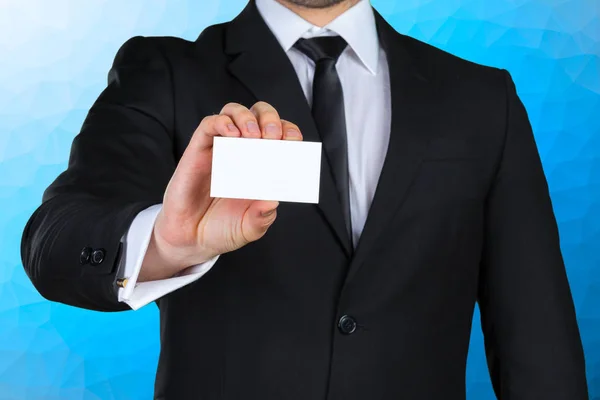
(135,244)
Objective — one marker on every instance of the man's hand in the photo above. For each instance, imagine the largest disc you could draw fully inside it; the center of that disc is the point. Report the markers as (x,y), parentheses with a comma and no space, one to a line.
(192,227)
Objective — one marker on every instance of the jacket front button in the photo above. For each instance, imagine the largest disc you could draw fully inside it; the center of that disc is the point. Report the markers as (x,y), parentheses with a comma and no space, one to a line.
(84,256)
(347,325)
(97,257)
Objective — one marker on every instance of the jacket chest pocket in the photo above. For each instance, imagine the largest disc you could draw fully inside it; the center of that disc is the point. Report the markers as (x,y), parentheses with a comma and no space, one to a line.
(440,149)
(453,172)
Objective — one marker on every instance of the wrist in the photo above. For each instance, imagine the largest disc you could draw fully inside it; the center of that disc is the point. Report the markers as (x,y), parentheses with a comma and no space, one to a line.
(162,260)
(159,261)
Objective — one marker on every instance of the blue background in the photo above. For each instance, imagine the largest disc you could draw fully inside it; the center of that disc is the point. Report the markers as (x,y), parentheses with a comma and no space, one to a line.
(54,57)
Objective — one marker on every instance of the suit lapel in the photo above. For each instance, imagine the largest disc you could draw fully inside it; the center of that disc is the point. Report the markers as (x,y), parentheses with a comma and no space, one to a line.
(263,67)
(412,101)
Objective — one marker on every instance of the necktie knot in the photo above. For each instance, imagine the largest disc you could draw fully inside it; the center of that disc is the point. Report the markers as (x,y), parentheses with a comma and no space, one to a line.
(322,47)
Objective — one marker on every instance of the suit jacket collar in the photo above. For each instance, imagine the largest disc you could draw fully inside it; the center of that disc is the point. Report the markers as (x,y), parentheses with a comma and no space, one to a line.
(413,106)
(262,66)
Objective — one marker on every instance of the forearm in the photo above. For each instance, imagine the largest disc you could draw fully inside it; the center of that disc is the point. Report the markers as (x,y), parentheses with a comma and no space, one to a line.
(119,164)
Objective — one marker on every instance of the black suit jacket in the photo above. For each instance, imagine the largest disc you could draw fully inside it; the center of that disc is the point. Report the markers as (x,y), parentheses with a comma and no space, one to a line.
(461,215)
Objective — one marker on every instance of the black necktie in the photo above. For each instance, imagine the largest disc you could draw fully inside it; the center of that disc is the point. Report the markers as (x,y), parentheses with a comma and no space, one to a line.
(328,111)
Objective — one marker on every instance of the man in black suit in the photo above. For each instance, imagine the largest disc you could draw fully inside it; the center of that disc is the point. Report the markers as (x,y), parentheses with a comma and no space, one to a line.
(432,198)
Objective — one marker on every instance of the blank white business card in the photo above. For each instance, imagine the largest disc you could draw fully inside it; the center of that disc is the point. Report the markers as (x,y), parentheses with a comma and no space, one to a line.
(263,169)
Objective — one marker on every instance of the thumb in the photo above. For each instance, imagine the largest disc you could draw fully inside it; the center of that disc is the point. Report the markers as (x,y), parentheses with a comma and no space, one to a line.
(258,218)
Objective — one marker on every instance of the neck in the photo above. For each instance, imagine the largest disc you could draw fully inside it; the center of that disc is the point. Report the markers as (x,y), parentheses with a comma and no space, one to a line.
(319,16)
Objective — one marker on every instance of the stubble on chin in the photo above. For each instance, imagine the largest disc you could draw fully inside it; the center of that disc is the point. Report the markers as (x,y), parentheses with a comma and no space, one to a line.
(315,3)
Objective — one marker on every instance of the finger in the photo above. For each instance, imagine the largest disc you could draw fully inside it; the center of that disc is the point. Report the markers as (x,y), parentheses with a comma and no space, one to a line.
(209,127)
(258,218)
(268,119)
(243,118)
(202,137)
(225,126)
(290,131)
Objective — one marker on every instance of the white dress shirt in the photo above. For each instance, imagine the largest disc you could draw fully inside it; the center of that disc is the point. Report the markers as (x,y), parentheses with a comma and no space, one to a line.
(364,75)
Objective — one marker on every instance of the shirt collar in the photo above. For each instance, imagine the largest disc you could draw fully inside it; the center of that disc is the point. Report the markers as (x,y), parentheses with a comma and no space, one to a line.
(356,25)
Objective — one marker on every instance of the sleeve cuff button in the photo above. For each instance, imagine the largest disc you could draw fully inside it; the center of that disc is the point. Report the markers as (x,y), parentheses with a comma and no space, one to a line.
(97,257)
(84,256)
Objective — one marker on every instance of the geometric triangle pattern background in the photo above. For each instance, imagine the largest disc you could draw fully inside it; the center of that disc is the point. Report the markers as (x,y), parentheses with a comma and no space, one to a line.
(54,59)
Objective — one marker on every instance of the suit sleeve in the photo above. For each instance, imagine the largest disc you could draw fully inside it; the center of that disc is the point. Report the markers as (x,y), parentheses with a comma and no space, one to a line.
(531,336)
(120,164)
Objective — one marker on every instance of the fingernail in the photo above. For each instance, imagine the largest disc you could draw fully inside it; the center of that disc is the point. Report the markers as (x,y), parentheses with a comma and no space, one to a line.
(272,130)
(292,133)
(268,213)
(232,128)
(253,128)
